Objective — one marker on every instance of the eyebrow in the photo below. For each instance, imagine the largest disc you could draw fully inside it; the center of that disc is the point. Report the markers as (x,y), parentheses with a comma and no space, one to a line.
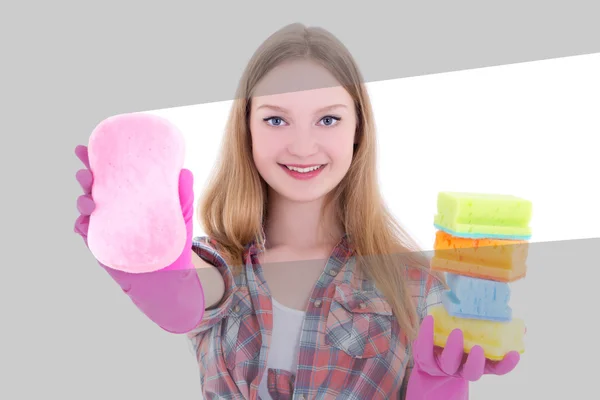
(281,109)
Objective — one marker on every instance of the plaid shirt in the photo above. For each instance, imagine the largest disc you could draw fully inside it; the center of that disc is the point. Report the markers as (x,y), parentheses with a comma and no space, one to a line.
(349,346)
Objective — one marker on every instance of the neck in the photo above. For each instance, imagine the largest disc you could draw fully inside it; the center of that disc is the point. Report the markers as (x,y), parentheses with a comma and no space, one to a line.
(299,224)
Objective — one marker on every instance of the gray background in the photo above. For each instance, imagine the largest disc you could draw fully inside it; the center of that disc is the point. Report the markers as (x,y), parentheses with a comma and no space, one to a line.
(67,329)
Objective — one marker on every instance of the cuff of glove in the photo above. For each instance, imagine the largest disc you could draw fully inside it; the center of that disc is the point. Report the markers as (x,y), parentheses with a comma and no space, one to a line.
(173,299)
(422,386)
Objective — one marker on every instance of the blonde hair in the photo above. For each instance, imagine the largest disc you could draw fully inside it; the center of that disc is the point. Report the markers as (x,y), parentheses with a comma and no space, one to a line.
(233,207)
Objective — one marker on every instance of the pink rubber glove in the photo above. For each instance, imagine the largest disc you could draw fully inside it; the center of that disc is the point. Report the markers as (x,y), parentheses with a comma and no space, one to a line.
(171,297)
(444,374)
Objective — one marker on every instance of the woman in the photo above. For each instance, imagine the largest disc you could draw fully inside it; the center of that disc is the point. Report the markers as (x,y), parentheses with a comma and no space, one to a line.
(306,286)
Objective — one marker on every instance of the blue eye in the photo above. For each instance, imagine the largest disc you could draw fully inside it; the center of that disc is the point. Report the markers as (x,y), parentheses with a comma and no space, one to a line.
(279,120)
(328,120)
(331,119)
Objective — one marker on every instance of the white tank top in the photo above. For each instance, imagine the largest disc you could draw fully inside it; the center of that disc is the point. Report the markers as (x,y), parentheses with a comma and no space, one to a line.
(283,353)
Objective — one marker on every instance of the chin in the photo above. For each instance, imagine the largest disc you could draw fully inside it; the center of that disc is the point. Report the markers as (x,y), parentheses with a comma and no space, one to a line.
(304,197)
(300,194)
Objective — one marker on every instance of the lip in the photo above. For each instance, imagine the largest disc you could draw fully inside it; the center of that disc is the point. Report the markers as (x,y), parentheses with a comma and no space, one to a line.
(303,175)
(302,165)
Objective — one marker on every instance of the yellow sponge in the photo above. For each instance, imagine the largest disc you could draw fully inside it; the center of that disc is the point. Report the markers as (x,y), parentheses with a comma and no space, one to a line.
(495,338)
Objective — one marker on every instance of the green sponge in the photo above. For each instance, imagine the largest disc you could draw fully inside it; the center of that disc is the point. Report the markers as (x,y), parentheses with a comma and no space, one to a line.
(481,215)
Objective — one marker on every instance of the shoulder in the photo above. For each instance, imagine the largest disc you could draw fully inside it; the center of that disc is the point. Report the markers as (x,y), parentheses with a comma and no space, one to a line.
(426,287)
(208,249)
(205,242)
(425,279)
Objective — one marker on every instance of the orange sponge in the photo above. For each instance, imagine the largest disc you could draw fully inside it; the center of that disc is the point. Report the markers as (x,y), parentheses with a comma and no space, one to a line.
(494,259)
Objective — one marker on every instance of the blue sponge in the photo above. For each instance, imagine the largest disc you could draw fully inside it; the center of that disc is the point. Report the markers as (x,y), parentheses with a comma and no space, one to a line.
(477,298)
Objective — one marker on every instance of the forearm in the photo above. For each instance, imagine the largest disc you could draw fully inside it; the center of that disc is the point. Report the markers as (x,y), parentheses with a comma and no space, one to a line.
(173,299)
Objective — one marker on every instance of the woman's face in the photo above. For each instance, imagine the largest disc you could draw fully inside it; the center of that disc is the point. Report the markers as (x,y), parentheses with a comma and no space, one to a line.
(302,141)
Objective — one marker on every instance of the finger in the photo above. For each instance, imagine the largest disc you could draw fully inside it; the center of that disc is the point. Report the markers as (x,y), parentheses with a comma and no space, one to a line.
(82,153)
(504,366)
(85,179)
(424,345)
(82,224)
(186,193)
(452,355)
(85,205)
(186,179)
(186,183)
(473,368)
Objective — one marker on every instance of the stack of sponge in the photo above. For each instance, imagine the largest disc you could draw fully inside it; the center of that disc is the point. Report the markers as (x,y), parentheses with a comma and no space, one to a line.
(482,245)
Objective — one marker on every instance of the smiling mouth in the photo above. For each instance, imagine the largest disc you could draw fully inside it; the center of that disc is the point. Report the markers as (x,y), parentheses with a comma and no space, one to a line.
(304,169)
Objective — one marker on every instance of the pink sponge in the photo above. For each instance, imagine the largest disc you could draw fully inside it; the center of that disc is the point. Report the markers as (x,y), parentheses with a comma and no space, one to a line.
(137,225)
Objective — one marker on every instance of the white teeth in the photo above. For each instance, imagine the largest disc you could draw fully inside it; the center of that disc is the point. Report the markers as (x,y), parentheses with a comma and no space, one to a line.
(303,170)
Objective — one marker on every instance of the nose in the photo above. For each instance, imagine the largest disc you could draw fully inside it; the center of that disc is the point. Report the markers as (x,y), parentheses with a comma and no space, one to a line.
(303,143)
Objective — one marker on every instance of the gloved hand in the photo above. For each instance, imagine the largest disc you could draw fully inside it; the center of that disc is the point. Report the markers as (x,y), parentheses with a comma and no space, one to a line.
(444,374)
(172,297)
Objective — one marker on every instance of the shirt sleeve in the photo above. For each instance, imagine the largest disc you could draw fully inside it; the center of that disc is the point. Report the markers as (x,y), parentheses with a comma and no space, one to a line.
(206,249)
(427,292)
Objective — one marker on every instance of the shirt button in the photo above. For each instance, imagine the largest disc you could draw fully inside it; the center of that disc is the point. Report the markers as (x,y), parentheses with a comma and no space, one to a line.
(236,309)
(301,397)
(362,305)
(318,303)
(332,272)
